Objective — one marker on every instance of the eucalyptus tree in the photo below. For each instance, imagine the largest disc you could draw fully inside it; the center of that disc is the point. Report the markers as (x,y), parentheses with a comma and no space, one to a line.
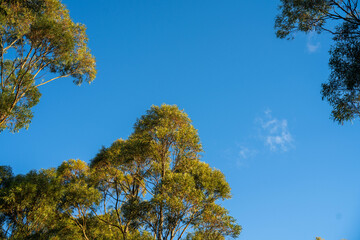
(28,204)
(341,19)
(152,186)
(50,204)
(39,43)
(157,181)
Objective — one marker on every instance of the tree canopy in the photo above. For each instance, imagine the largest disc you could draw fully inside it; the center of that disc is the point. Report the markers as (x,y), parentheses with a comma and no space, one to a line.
(153,185)
(342,20)
(39,43)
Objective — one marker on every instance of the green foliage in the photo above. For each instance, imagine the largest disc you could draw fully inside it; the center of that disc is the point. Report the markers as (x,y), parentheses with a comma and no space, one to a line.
(78,196)
(215,223)
(37,37)
(117,172)
(301,15)
(48,204)
(150,186)
(343,88)
(161,180)
(341,19)
(25,214)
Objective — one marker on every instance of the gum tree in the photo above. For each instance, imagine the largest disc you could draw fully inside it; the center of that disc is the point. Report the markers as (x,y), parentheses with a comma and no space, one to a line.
(39,43)
(341,19)
(152,186)
(157,181)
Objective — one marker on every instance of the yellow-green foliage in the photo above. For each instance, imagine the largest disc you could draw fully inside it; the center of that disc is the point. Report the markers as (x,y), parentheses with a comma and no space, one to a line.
(153,185)
(37,37)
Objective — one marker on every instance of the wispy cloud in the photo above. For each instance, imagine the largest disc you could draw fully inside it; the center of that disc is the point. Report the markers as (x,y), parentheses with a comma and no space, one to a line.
(312,44)
(245,152)
(311,47)
(269,134)
(275,133)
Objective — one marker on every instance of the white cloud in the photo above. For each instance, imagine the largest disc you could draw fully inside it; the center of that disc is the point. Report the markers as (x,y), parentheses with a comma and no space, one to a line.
(241,154)
(311,44)
(311,47)
(272,134)
(276,133)
(246,152)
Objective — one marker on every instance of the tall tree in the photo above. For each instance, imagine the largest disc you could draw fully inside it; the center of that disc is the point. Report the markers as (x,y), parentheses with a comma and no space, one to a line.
(152,186)
(164,183)
(341,19)
(183,188)
(39,43)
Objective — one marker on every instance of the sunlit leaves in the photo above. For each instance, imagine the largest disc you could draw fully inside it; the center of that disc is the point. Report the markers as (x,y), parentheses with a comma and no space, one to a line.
(37,38)
(151,186)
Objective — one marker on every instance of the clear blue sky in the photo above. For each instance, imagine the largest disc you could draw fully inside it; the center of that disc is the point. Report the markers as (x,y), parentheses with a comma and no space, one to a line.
(255,100)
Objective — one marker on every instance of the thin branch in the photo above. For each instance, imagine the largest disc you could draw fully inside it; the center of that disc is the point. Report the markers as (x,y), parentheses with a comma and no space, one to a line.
(11,44)
(63,76)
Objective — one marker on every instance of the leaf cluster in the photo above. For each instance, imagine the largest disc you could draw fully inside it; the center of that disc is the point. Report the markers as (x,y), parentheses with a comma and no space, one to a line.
(39,43)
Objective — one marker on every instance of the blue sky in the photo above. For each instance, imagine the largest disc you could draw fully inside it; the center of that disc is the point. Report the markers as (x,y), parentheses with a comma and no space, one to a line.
(255,100)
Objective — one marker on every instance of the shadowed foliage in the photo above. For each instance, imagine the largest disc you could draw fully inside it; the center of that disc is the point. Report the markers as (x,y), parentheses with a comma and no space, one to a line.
(342,20)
